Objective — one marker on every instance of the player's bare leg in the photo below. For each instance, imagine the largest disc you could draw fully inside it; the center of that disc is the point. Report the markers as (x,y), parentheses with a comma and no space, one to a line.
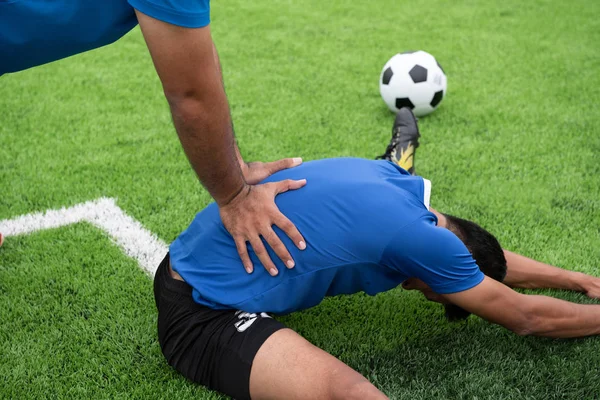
(287,366)
(1,239)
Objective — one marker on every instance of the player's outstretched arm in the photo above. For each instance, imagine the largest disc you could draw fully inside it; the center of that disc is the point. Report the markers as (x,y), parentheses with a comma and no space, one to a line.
(528,314)
(525,273)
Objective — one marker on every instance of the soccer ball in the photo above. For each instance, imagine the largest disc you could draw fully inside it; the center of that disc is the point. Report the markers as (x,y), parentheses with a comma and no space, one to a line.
(413,79)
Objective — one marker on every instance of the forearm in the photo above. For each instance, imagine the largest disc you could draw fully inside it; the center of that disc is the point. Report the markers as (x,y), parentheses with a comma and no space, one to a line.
(523,272)
(203,123)
(239,157)
(187,64)
(238,154)
(204,129)
(527,314)
(556,318)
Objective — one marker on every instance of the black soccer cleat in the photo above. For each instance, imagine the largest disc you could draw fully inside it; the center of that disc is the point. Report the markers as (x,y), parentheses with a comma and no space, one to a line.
(405,140)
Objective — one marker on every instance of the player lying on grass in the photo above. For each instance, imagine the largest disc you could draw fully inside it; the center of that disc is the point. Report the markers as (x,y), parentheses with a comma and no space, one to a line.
(370,229)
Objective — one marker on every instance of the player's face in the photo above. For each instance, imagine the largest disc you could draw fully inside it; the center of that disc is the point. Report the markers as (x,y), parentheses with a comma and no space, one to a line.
(417,284)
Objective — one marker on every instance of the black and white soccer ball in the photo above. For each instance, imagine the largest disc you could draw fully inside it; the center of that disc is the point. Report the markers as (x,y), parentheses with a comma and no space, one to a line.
(415,80)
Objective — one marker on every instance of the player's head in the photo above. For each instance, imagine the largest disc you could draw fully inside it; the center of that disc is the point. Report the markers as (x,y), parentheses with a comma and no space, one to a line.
(484,248)
(486,251)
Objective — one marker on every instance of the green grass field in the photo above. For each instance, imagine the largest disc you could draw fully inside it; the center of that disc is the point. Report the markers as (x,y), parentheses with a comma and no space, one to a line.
(514,146)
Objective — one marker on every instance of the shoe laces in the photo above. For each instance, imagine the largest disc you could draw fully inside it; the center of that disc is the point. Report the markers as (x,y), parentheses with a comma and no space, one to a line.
(388,151)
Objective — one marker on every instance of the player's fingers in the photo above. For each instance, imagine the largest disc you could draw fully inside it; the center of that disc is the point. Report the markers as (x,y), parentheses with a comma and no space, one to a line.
(288,184)
(263,255)
(594,293)
(242,249)
(285,163)
(278,247)
(290,229)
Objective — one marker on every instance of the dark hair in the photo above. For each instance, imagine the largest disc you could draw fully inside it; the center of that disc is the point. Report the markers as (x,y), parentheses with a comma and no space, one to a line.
(486,251)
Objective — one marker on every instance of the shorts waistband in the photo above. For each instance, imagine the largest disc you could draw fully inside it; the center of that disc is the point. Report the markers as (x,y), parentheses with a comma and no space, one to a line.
(167,281)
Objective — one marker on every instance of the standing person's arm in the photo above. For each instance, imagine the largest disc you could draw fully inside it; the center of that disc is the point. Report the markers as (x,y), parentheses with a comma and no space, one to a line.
(188,67)
(525,273)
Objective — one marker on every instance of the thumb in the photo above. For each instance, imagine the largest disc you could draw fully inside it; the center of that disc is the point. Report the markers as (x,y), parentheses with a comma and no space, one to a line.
(285,163)
(288,184)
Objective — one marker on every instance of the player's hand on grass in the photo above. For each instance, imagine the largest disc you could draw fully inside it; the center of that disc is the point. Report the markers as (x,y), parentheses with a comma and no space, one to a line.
(252,214)
(255,172)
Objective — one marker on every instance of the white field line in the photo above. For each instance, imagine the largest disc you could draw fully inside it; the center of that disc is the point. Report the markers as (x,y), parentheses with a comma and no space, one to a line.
(136,241)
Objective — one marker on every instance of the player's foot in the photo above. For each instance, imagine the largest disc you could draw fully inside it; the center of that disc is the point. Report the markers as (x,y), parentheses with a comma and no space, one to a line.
(405,140)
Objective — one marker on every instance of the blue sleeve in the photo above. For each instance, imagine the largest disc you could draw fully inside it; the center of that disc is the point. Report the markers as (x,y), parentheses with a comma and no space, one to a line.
(186,13)
(434,255)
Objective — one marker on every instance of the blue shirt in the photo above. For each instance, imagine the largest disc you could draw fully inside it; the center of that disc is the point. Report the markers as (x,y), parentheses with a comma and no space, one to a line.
(367,229)
(34,32)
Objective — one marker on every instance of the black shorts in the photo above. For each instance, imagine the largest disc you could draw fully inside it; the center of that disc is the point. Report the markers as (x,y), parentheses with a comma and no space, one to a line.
(214,348)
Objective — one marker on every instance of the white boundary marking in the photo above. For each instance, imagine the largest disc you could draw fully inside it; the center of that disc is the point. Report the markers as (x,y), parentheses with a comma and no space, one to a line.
(136,241)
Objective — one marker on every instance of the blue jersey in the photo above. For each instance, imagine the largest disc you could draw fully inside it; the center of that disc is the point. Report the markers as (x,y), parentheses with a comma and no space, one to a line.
(34,32)
(367,228)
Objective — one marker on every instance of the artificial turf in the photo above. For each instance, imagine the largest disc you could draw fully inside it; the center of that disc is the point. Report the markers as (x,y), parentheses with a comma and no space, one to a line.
(515,146)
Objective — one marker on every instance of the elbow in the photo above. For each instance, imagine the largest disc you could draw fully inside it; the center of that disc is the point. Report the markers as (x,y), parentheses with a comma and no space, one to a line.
(199,96)
(186,107)
(181,98)
(525,324)
(523,330)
